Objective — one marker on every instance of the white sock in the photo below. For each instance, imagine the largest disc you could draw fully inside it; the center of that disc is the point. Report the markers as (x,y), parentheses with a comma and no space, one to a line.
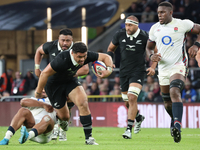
(8,135)
(31,135)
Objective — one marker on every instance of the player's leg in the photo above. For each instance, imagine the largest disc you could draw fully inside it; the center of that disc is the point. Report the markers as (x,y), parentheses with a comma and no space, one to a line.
(44,126)
(23,116)
(176,86)
(79,97)
(168,104)
(62,133)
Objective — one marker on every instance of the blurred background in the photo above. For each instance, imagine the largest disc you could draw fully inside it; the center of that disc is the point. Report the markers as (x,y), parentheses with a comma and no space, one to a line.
(26,24)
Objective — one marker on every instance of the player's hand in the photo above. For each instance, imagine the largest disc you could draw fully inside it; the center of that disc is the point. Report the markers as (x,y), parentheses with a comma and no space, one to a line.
(103,73)
(151,71)
(198,58)
(192,51)
(48,108)
(38,94)
(156,57)
(113,66)
(37,72)
(76,75)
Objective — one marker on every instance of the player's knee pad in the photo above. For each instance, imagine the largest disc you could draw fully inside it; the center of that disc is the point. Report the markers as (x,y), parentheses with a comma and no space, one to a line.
(124,97)
(177,83)
(166,97)
(134,90)
(47,118)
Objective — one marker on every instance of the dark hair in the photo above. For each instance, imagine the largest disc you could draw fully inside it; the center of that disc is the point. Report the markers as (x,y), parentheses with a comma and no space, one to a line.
(79,47)
(65,32)
(166,4)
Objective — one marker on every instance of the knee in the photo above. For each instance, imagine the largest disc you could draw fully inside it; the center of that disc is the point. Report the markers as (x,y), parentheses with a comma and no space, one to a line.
(132,98)
(24,111)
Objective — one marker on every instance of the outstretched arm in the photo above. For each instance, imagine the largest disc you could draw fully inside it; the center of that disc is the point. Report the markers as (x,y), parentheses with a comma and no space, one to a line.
(45,74)
(38,58)
(108,62)
(194,48)
(28,102)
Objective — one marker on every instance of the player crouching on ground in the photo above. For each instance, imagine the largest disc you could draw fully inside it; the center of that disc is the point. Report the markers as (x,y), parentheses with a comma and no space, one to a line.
(37,118)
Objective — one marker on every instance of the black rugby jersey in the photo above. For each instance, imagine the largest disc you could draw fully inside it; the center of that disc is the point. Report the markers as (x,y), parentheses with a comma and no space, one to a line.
(132,51)
(64,67)
(51,48)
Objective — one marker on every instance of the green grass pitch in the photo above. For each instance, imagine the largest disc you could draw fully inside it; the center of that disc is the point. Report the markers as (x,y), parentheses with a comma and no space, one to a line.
(111,139)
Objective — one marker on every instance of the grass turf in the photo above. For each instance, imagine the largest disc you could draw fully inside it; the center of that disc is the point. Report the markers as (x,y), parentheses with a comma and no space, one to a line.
(110,138)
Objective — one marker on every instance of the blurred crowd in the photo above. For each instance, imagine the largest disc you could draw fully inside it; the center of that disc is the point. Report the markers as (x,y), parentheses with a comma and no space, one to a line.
(19,86)
(145,10)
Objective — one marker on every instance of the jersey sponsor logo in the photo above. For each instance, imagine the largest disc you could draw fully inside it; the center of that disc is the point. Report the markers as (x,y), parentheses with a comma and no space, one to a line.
(166,40)
(53,54)
(69,69)
(123,40)
(139,80)
(56,104)
(130,47)
(138,42)
(158,30)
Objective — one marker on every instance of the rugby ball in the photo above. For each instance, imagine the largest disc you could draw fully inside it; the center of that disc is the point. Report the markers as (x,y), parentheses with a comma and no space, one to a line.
(98,66)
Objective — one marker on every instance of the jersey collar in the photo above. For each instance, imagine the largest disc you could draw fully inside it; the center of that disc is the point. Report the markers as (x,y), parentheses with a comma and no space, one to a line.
(60,49)
(72,58)
(133,35)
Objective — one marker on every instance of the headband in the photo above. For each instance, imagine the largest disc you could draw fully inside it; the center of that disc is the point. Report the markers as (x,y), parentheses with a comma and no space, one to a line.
(132,22)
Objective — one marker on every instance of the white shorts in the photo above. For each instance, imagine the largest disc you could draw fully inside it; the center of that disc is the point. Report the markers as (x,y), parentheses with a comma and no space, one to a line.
(43,138)
(165,75)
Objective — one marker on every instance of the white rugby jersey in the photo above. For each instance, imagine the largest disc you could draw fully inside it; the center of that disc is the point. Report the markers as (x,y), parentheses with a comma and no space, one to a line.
(170,42)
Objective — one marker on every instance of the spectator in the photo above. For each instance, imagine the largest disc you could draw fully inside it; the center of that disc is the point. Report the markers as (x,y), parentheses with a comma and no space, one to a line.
(188,94)
(19,86)
(6,81)
(134,9)
(31,81)
(194,74)
(89,81)
(107,84)
(147,15)
(94,89)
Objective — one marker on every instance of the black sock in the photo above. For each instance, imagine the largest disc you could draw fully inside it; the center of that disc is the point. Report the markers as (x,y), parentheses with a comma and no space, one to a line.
(172,122)
(87,125)
(10,128)
(35,131)
(177,109)
(130,124)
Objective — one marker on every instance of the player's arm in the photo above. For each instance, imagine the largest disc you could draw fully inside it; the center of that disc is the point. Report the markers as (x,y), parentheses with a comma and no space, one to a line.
(28,102)
(194,49)
(151,70)
(82,71)
(45,74)
(150,47)
(38,58)
(108,62)
(111,49)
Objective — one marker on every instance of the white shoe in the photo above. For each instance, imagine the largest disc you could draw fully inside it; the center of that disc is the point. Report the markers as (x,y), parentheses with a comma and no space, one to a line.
(63,124)
(62,135)
(137,126)
(127,134)
(91,141)
(55,132)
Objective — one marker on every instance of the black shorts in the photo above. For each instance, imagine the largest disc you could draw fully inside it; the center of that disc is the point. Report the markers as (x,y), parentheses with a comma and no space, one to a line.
(58,92)
(137,77)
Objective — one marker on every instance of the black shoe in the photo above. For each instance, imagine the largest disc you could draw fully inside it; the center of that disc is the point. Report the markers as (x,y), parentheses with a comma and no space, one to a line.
(177,135)
(171,131)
